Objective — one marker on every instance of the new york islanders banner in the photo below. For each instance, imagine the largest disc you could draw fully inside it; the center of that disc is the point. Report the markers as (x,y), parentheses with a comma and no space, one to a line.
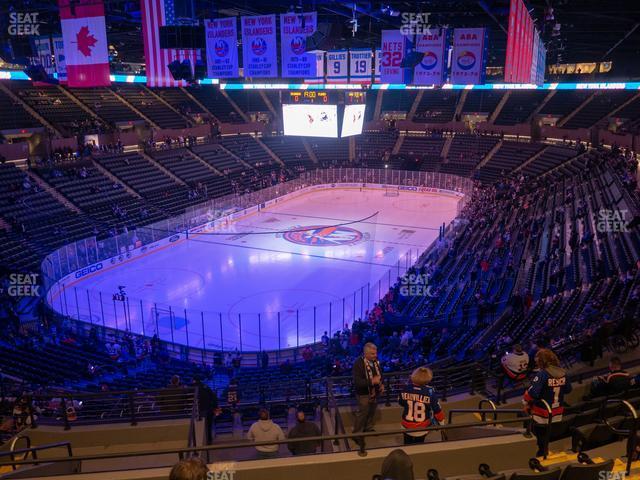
(337,66)
(60,60)
(259,48)
(469,57)
(394,45)
(360,65)
(42,53)
(432,68)
(294,30)
(85,43)
(222,47)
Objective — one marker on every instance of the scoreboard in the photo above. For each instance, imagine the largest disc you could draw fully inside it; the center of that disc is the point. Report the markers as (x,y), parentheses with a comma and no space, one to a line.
(318,97)
(310,97)
(317,113)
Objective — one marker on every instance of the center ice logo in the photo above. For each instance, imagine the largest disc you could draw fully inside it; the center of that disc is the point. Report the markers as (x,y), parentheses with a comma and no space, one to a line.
(324,236)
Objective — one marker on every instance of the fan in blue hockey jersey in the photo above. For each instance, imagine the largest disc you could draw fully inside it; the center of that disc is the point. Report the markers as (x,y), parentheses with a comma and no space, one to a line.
(421,406)
(549,385)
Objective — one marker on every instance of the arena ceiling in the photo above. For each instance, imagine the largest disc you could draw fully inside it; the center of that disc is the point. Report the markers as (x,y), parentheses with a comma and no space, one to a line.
(573,30)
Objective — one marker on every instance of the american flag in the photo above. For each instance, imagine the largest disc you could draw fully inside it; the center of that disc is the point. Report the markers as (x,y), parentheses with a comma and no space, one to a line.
(157,13)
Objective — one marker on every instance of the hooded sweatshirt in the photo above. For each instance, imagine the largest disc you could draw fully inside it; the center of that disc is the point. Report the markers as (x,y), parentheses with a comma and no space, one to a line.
(550,385)
(264,431)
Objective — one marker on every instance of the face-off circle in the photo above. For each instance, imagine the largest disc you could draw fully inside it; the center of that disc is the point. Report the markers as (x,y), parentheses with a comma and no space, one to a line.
(324,236)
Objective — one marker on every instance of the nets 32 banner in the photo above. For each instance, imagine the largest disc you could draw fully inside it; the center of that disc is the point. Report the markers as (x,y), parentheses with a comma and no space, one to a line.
(294,30)
(337,65)
(360,64)
(394,46)
(259,48)
(222,47)
(432,68)
(469,57)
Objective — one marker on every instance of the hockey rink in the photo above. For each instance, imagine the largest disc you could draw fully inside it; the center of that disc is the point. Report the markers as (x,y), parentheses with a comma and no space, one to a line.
(274,279)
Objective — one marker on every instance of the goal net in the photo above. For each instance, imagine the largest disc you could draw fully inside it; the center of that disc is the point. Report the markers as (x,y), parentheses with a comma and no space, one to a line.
(391,191)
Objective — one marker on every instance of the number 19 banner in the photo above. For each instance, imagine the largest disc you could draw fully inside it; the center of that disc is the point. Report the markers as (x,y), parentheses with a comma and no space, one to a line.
(360,61)
(337,66)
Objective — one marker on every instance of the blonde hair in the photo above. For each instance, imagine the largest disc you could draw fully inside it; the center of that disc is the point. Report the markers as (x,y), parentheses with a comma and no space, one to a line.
(421,376)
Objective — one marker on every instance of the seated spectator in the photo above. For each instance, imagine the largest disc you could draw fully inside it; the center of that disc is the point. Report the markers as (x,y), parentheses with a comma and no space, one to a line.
(397,466)
(617,381)
(192,469)
(301,430)
(421,406)
(265,430)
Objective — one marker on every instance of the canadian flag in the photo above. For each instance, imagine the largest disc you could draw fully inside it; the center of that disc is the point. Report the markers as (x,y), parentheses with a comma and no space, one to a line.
(85,42)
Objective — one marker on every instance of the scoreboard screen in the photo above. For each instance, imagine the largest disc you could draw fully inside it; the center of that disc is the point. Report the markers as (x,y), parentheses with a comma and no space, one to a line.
(354,98)
(310,97)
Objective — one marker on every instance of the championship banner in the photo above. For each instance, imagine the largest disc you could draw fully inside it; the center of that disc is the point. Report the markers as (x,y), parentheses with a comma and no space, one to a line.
(394,45)
(222,47)
(360,65)
(42,54)
(469,56)
(60,61)
(84,36)
(376,71)
(337,66)
(433,67)
(317,66)
(294,30)
(259,47)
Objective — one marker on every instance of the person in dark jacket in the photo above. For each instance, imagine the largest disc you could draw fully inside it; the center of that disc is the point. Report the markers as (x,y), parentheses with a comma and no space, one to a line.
(617,381)
(301,430)
(207,406)
(367,382)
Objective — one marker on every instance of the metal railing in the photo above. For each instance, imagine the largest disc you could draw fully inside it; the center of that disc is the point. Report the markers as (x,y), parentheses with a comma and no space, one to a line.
(184,452)
(33,451)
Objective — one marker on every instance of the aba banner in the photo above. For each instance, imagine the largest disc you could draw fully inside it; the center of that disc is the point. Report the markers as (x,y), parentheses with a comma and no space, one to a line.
(432,68)
(360,65)
(85,42)
(294,30)
(259,48)
(60,60)
(468,61)
(337,65)
(222,47)
(394,45)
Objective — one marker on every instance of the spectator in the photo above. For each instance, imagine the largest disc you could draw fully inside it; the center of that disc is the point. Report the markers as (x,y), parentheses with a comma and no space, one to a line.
(397,466)
(207,406)
(264,430)
(551,385)
(617,381)
(421,406)
(301,430)
(191,469)
(514,367)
